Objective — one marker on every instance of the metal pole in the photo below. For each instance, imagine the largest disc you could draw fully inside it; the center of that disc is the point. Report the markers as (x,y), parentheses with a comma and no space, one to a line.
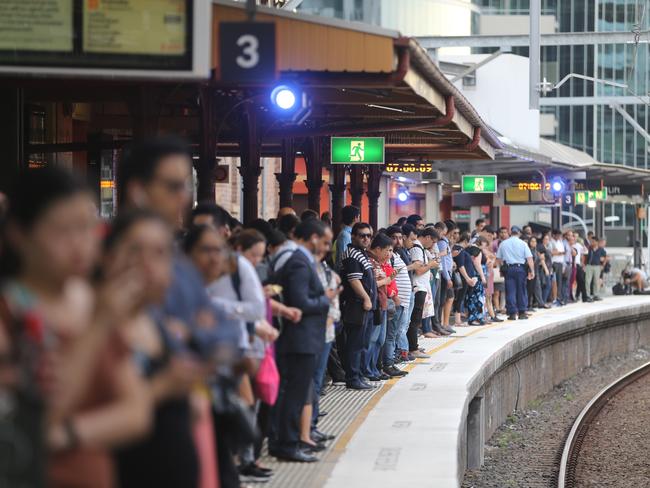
(534,53)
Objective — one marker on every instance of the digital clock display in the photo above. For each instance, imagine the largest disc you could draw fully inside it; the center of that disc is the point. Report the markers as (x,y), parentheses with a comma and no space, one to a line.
(409,167)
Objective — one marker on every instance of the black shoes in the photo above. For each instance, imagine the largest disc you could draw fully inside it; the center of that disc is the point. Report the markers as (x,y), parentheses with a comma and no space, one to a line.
(588,300)
(512,317)
(523,316)
(251,473)
(359,385)
(394,372)
(308,448)
(318,436)
(295,455)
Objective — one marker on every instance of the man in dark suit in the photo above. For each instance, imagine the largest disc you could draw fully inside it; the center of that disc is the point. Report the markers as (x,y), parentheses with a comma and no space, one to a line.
(299,343)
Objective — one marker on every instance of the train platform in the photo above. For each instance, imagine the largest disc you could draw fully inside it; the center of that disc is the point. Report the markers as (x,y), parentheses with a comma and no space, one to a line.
(412,430)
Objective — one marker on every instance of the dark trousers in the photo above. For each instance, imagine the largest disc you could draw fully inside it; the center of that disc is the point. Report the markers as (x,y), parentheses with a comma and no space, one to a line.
(535,296)
(580,281)
(416,320)
(354,349)
(516,295)
(296,378)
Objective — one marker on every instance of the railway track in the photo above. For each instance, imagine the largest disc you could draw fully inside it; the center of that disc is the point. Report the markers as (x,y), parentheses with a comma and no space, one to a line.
(575,439)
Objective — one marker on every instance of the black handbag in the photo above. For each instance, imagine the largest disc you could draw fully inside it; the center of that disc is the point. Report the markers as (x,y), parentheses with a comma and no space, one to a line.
(240,424)
(376,317)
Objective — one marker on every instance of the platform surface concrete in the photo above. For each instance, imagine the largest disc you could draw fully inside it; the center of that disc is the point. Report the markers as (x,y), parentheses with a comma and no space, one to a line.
(410,436)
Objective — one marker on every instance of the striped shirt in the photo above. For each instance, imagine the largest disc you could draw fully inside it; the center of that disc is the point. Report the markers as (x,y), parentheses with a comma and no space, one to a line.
(403,281)
(355,265)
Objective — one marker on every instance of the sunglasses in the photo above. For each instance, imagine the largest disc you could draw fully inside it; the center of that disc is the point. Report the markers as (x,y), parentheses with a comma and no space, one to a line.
(364,236)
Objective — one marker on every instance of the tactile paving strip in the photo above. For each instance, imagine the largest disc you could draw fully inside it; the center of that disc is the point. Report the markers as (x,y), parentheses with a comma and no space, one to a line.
(342,407)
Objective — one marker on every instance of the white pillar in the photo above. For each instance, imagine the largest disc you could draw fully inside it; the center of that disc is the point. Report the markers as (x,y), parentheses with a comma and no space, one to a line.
(383,207)
(432,203)
(474,215)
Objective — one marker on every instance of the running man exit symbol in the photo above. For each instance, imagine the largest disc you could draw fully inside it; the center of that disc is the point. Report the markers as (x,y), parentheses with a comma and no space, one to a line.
(479,184)
(357,150)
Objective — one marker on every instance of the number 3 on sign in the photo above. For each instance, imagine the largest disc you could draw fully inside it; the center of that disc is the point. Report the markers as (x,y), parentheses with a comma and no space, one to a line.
(250,57)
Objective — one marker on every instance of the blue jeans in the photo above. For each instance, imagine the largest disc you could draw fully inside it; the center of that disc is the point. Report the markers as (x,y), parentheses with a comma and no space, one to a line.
(402,340)
(392,336)
(426,325)
(367,341)
(377,339)
(319,376)
(516,295)
(546,282)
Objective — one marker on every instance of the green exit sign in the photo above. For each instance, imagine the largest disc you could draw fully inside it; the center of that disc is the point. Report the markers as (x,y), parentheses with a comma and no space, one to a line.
(479,184)
(357,150)
(584,197)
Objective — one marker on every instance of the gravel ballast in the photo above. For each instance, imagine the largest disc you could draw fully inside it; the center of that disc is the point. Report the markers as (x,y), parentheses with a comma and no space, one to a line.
(615,449)
(524,453)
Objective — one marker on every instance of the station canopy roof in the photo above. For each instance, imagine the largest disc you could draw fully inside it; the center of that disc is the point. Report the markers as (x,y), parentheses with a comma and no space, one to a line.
(514,161)
(363,81)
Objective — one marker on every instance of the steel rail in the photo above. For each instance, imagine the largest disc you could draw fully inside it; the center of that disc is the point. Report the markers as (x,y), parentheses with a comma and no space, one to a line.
(575,439)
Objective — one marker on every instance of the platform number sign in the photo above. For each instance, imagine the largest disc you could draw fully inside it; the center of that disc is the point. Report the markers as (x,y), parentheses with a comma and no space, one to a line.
(246,51)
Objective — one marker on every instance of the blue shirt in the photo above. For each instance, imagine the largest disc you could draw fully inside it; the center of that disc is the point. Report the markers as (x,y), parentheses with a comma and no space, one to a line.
(343,240)
(514,251)
(446,262)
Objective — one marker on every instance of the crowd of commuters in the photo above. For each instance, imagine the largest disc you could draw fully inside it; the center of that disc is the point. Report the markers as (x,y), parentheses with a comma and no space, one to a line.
(163,347)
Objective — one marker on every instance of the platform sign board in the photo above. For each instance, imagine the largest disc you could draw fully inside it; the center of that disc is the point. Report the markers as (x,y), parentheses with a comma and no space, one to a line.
(479,184)
(357,150)
(246,51)
(584,197)
(114,38)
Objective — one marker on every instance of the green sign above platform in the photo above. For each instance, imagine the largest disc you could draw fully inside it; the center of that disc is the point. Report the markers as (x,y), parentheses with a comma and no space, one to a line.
(357,150)
(479,184)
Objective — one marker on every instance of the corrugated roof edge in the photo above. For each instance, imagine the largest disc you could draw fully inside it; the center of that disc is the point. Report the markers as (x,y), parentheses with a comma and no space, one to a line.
(421,60)
(315,19)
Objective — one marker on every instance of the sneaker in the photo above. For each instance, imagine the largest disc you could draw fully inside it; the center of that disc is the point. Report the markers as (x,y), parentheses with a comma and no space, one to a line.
(250,473)
(596,298)
(420,355)
(523,316)
(411,357)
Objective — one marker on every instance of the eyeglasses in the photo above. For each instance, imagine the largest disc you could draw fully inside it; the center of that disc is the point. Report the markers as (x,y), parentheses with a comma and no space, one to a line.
(364,236)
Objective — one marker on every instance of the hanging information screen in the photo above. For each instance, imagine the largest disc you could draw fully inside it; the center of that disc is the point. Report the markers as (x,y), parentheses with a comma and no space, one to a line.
(137,35)
(36,25)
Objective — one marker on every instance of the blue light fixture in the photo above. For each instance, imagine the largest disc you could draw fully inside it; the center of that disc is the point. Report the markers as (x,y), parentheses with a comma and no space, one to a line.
(403,195)
(558,185)
(284,97)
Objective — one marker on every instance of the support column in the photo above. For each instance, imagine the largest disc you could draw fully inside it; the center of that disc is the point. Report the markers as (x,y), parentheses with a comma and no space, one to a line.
(374,178)
(556,217)
(206,164)
(599,225)
(287,176)
(495,216)
(12,135)
(144,106)
(383,207)
(250,168)
(356,185)
(639,215)
(314,182)
(431,203)
(337,191)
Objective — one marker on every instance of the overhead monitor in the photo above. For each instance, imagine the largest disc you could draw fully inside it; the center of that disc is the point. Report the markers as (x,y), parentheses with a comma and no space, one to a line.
(106,38)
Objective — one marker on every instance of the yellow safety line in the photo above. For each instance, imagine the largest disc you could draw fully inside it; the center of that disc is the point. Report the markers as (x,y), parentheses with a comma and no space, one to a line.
(349,432)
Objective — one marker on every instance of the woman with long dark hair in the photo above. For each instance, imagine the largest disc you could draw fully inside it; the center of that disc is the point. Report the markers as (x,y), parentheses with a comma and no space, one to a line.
(75,392)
